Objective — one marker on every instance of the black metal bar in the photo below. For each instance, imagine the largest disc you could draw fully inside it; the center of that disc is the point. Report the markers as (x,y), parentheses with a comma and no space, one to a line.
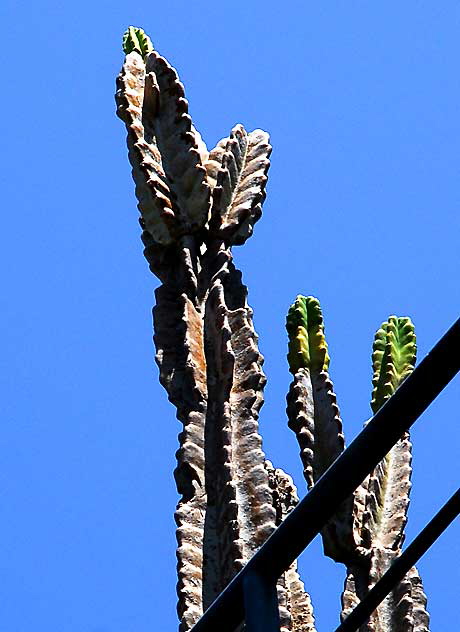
(260,604)
(402,565)
(348,471)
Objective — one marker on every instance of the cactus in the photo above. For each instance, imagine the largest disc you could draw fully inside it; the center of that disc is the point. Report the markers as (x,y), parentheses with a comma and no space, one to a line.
(381,502)
(195,205)
(367,532)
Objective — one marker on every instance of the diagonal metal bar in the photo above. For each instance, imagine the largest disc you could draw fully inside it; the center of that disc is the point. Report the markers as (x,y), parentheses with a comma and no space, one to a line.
(402,565)
(260,604)
(348,471)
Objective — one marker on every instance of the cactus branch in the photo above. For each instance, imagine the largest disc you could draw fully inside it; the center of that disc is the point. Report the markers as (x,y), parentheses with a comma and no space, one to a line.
(381,502)
(313,413)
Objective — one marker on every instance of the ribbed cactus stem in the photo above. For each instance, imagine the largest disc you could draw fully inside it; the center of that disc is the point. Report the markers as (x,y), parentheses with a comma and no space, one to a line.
(381,502)
(313,413)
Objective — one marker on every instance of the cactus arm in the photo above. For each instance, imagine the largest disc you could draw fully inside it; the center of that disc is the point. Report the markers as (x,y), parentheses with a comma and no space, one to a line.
(388,487)
(166,120)
(313,413)
(239,177)
(152,191)
(222,547)
(165,150)
(381,503)
(181,360)
(239,496)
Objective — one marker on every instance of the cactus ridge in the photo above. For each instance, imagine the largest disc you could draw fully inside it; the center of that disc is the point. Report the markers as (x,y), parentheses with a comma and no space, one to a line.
(296,611)
(393,358)
(307,343)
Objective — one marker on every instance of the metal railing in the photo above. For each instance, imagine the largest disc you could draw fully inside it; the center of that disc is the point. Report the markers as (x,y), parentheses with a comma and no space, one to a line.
(251,596)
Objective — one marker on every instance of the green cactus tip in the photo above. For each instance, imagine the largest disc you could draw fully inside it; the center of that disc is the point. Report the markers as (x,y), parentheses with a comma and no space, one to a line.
(307,344)
(135,39)
(393,358)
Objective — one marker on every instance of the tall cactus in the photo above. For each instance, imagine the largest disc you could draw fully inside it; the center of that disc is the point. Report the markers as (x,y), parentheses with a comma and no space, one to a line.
(195,205)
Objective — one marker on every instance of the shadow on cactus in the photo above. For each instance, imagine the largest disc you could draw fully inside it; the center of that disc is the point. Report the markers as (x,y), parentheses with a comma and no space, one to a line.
(195,205)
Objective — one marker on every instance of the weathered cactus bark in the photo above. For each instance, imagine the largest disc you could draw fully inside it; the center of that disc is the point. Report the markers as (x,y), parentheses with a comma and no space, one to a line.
(194,207)
(296,612)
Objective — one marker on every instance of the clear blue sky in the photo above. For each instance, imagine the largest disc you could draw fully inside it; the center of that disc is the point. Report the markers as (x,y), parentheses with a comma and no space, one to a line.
(362,102)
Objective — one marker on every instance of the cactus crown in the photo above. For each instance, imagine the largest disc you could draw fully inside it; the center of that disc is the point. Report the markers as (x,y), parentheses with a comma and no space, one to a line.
(393,358)
(135,39)
(305,327)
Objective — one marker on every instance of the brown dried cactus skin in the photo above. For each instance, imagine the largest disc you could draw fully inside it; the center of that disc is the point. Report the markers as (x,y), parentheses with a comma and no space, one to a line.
(189,534)
(300,412)
(296,612)
(403,610)
(249,475)
(409,612)
(222,547)
(299,602)
(214,162)
(212,369)
(183,373)
(152,190)
(328,424)
(165,150)
(387,499)
(237,480)
(166,120)
(179,341)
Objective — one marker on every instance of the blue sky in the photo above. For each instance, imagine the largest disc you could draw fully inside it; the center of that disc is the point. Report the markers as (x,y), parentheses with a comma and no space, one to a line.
(362,103)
